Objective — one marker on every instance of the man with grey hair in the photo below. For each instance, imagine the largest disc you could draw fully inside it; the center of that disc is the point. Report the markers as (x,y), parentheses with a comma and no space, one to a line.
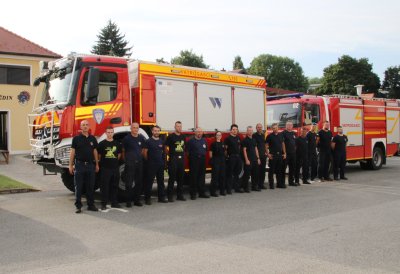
(289,137)
(251,161)
(197,149)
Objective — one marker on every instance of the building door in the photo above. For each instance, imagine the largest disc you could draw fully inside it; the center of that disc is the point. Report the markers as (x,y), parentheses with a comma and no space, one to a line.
(3,130)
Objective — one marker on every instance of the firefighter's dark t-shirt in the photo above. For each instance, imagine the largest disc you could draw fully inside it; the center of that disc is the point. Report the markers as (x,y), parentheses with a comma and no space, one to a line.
(155,151)
(197,147)
(312,142)
(274,142)
(217,149)
(302,146)
(250,145)
(325,138)
(232,144)
(133,147)
(84,147)
(176,144)
(289,138)
(340,143)
(260,140)
(109,151)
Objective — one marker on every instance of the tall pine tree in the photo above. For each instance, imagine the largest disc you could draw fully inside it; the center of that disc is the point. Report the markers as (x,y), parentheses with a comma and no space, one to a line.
(111,42)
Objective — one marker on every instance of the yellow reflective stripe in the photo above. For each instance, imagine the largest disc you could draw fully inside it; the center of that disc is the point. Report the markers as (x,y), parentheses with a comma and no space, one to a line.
(354,133)
(89,110)
(375,118)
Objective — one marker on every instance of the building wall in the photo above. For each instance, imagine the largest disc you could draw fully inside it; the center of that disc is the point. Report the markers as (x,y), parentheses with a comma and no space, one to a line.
(18,110)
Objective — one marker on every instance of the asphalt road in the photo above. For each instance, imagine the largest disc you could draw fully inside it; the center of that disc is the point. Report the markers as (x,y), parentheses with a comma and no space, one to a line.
(331,227)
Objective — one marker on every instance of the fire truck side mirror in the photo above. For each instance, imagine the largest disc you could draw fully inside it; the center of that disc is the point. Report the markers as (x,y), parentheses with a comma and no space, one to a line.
(92,87)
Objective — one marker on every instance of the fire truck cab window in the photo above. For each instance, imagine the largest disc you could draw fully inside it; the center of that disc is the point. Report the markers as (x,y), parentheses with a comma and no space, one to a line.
(107,86)
(311,114)
(282,113)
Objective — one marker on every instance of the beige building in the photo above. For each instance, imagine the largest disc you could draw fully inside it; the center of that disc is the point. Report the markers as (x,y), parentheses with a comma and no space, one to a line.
(19,66)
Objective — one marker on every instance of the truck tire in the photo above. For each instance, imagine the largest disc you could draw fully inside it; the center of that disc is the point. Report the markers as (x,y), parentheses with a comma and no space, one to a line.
(68,180)
(122,193)
(377,159)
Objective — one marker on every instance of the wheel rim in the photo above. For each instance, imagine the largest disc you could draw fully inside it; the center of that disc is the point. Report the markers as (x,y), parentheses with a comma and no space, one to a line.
(377,158)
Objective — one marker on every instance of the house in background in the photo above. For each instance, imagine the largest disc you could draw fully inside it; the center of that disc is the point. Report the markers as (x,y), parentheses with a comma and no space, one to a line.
(19,66)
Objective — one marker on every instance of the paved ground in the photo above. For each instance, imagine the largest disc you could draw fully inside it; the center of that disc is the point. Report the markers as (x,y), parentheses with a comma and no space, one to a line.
(341,227)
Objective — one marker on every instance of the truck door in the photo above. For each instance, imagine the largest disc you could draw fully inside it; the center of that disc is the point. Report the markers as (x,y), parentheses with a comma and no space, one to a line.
(107,109)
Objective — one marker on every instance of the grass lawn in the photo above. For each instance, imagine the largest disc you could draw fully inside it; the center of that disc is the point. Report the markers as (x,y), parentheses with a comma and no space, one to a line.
(8,183)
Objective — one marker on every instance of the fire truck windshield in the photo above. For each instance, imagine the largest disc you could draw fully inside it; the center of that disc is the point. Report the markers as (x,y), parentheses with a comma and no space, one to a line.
(57,87)
(282,113)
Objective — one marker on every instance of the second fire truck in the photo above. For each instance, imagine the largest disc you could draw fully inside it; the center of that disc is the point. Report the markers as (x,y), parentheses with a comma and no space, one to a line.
(372,125)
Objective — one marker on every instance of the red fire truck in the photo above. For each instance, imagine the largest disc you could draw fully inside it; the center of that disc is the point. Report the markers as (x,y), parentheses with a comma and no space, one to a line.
(372,125)
(116,91)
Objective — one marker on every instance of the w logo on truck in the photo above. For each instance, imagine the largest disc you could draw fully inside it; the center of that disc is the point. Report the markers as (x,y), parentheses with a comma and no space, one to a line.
(216,101)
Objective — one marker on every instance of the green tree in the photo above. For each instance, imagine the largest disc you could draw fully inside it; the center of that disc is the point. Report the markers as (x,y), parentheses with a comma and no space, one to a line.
(189,58)
(314,80)
(161,60)
(238,63)
(111,42)
(391,81)
(280,72)
(340,78)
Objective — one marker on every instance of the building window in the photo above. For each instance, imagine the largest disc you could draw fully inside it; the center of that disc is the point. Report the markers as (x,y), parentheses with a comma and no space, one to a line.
(15,75)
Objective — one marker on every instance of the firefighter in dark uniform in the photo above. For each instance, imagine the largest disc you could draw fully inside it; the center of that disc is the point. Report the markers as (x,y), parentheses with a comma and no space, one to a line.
(83,164)
(339,143)
(325,152)
(251,161)
(155,161)
(275,149)
(302,157)
(217,162)
(259,136)
(289,137)
(175,149)
(132,151)
(109,151)
(234,162)
(197,149)
(312,137)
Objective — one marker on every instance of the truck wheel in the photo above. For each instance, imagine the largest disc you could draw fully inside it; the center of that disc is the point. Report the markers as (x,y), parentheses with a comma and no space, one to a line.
(122,193)
(68,180)
(377,159)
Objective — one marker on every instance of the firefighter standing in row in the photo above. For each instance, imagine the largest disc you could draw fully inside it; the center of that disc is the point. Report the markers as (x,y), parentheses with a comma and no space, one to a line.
(276,152)
(325,152)
(312,137)
(217,162)
(302,157)
(259,137)
(197,150)
(83,164)
(155,162)
(109,151)
(133,145)
(289,137)
(234,166)
(175,149)
(251,161)
(339,143)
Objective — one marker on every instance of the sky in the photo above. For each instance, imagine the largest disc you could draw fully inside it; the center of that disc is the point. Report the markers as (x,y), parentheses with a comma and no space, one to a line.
(314,33)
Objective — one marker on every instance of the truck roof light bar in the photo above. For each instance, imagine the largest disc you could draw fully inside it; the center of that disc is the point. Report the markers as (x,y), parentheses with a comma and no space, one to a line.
(292,95)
